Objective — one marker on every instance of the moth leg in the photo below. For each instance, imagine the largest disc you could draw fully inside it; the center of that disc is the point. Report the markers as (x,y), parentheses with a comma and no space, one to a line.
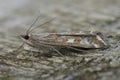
(76,49)
(17,50)
(53,49)
(57,51)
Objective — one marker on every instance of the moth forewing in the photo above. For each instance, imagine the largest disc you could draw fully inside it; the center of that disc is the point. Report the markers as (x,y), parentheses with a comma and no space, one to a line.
(87,41)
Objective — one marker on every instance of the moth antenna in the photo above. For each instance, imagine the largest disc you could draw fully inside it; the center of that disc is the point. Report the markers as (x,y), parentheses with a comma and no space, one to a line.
(28,30)
(42,24)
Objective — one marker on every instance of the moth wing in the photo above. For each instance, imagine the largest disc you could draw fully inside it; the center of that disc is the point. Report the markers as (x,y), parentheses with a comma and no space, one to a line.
(79,40)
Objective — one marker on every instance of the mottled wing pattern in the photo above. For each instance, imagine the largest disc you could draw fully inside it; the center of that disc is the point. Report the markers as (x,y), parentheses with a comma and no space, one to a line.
(81,40)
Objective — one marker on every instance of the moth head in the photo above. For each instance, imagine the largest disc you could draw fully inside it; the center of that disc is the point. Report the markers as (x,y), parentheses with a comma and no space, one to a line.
(25,37)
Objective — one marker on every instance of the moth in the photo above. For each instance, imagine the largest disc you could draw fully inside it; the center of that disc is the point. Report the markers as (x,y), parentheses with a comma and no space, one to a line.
(82,40)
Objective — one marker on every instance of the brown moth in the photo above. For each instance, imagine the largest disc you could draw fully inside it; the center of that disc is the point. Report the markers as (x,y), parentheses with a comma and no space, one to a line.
(78,41)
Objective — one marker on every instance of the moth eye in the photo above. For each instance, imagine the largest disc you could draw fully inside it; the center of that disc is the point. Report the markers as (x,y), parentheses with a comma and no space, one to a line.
(25,37)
